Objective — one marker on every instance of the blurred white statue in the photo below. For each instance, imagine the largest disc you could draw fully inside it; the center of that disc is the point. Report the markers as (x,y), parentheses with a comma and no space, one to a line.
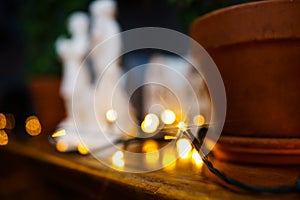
(106,49)
(102,111)
(72,52)
(173,84)
(104,26)
(167,88)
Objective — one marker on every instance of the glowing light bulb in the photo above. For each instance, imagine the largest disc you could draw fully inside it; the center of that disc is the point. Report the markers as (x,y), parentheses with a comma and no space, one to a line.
(59,133)
(33,126)
(3,138)
(118,159)
(184,148)
(150,146)
(150,123)
(111,115)
(168,116)
(151,119)
(197,159)
(170,137)
(182,126)
(62,146)
(2,121)
(82,149)
(199,120)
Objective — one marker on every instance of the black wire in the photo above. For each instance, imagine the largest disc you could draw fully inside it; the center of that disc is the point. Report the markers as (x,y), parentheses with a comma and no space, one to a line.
(197,144)
(236,183)
(280,189)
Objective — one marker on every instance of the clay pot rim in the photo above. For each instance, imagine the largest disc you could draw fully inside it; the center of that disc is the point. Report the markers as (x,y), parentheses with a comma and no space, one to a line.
(274,151)
(241,6)
(246,27)
(260,142)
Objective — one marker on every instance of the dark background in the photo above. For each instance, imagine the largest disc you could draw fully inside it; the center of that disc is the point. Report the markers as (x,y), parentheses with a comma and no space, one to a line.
(28,30)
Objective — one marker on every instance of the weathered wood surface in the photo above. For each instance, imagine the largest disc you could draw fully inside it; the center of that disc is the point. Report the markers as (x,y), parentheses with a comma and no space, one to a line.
(83,176)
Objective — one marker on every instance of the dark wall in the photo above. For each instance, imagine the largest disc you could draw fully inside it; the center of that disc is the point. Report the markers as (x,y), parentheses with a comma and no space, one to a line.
(14,96)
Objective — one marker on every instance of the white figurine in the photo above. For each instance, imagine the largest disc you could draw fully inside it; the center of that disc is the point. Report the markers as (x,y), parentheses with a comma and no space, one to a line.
(104,26)
(172,84)
(101,111)
(167,86)
(105,53)
(72,52)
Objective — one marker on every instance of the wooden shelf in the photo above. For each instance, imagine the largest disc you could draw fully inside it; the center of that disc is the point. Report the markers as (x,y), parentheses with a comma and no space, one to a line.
(73,175)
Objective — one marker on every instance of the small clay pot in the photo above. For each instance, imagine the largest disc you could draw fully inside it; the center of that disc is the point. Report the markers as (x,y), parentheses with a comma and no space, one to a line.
(256,47)
(48,103)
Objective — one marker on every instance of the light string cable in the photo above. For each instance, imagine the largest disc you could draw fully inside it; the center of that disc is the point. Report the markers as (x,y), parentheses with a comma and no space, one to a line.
(197,145)
(281,189)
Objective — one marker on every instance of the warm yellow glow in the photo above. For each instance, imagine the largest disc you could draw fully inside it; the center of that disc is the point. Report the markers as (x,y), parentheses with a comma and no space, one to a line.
(182,126)
(82,149)
(33,126)
(168,117)
(150,123)
(151,119)
(150,146)
(10,121)
(3,138)
(118,159)
(199,120)
(2,121)
(197,159)
(152,157)
(111,115)
(59,133)
(170,137)
(148,129)
(62,146)
(169,159)
(184,147)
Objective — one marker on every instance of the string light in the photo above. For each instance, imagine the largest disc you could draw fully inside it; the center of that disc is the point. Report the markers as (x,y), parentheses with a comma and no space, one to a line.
(196,158)
(150,123)
(111,115)
(280,189)
(62,146)
(182,126)
(82,149)
(149,146)
(168,116)
(199,120)
(118,159)
(33,126)
(2,121)
(170,137)
(59,133)
(183,147)
(3,138)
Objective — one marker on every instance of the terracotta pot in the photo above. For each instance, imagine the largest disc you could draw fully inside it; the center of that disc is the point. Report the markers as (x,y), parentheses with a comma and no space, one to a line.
(256,47)
(48,103)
